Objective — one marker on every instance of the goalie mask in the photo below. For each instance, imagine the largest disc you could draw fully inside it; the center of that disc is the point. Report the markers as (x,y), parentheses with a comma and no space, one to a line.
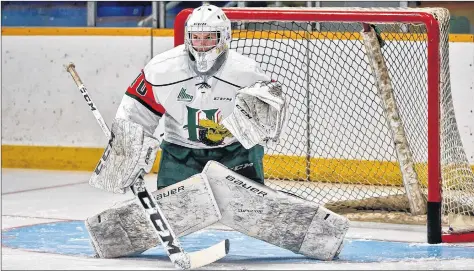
(207,39)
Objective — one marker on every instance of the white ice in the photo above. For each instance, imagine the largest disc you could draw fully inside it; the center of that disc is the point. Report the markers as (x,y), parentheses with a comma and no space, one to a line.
(41,196)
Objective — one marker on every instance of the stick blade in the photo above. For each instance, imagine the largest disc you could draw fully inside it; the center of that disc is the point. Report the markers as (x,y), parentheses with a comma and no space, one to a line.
(209,255)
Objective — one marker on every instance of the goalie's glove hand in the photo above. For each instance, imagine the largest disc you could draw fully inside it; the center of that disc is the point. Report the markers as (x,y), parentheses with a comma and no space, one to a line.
(259,114)
(129,154)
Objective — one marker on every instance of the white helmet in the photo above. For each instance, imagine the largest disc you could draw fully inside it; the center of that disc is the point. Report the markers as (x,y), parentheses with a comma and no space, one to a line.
(208,19)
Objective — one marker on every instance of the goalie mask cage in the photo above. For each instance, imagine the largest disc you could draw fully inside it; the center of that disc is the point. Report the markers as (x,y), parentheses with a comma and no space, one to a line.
(371,131)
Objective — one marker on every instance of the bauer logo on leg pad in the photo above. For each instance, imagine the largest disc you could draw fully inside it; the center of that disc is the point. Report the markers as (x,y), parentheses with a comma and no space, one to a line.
(246,185)
(170,192)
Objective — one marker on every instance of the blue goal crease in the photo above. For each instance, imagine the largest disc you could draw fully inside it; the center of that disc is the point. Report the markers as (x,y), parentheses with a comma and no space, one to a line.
(72,238)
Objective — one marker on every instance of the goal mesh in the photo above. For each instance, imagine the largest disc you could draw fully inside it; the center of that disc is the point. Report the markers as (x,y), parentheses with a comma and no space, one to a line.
(338,149)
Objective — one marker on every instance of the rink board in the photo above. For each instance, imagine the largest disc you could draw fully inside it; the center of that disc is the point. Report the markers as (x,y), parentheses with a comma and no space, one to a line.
(85,159)
(47,126)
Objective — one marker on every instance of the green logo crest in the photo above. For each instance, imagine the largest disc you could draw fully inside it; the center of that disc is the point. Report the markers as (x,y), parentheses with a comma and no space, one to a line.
(206,130)
(183,96)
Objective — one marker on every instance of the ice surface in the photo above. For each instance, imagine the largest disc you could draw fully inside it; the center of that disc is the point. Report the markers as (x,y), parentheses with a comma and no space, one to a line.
(46,208)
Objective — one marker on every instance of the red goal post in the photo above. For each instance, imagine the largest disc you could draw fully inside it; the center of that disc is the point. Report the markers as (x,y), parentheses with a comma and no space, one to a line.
(433,40)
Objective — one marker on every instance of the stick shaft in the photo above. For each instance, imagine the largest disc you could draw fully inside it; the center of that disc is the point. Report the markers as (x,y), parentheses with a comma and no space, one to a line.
(75,76)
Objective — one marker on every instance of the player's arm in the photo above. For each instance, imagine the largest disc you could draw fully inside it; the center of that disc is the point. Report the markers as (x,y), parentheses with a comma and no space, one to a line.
(132,148)
(140,106)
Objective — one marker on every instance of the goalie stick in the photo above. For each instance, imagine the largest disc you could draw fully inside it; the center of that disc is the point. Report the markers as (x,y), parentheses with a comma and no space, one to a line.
(168,239)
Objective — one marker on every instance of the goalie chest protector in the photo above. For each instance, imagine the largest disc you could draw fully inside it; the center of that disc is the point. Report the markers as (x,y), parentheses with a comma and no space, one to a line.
(192,104)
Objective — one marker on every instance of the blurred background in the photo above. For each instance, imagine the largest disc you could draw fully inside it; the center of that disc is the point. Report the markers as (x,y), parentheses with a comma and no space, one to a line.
(161,14)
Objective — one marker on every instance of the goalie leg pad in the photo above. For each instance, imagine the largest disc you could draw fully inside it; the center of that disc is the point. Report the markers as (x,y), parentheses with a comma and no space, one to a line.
(275,217)
(325,236)
(124,229)
(121,231)
(189,205)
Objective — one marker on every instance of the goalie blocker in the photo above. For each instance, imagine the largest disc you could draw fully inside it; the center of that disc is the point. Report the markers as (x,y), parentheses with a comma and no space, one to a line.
(237,202)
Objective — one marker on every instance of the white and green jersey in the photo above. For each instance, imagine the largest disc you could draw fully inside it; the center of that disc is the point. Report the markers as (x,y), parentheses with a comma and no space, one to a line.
(168,90)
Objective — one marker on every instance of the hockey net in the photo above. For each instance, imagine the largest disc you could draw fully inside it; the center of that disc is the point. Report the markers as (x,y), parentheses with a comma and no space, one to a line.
(360,87)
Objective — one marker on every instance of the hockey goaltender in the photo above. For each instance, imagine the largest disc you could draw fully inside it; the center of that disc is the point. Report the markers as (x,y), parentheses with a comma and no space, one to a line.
(219,111)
